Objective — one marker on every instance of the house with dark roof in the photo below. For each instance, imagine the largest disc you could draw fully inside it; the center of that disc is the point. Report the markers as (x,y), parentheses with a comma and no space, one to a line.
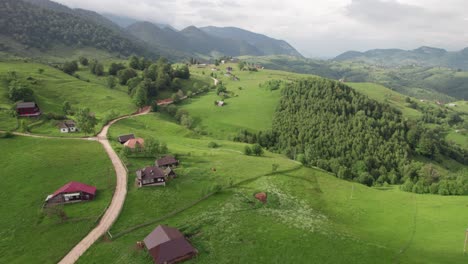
(168,245)
(124,138)
(154,176)
(27,109)
(68,126)
(167,161)
(72,192)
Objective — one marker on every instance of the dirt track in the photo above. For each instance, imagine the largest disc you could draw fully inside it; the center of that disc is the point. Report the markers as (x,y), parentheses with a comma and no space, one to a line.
(113,211)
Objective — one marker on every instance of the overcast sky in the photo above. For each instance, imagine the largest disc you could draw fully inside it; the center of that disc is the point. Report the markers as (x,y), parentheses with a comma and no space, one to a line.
(317,28)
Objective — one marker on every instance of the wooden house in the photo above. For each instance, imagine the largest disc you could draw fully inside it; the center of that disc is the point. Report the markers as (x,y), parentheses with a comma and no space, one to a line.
(72,192)
(151,176)
(167,245)
(167,161)
(124,138)
(27,109)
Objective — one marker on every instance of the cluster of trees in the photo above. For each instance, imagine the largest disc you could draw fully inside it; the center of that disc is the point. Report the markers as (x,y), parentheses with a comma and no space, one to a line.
(273,85)
(181,115)
(18,90)
(43,28)
(329,125)
(256,150)
(155,77)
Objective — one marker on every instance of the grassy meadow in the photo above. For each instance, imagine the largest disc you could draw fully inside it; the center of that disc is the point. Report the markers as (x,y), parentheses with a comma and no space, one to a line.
(53,87)
(251,107)
(34,168)
(310,215)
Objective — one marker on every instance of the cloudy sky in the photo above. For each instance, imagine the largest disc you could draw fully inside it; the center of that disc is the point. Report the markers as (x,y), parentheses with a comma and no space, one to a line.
(317,28)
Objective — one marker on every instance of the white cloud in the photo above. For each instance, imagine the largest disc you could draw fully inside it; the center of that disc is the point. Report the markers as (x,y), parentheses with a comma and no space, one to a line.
(316,28)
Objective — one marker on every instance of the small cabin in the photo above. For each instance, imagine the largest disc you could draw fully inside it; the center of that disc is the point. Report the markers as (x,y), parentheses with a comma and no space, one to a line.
(27,109)
(151,176)
(168,245)
(68,126)
(124,138)
(167,161)
(72,192)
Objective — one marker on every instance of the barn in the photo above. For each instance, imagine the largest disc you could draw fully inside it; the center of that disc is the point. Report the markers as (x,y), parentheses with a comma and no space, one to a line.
(124,138)
(72,192)
(168,245)
(167,161)
(27,109)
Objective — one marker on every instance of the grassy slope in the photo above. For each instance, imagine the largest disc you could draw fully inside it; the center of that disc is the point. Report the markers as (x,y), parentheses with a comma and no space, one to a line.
(253,102)
(383,94)
(311,215)
(55,87)
(397,100)
(34,168)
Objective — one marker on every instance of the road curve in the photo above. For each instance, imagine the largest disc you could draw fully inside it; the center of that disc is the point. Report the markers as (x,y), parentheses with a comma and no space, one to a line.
(113,211)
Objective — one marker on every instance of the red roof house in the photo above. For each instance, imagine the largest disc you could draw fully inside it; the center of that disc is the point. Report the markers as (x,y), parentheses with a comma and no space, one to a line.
(135,143)
(168,245)
(72,192)
(27,109)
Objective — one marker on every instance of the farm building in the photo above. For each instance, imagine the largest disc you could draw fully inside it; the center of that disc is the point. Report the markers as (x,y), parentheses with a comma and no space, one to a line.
(168,245)
(167,161)
(167,101)
(124,138)
(229,69)
(27,109)
(67,126)
(72,192)
(135,144)
(154,176)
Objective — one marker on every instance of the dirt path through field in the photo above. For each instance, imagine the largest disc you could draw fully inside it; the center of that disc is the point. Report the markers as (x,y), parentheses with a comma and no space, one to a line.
(113,211)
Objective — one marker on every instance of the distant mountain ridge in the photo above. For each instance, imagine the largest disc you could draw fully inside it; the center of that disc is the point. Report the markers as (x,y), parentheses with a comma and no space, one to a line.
(423,56)
(211,41)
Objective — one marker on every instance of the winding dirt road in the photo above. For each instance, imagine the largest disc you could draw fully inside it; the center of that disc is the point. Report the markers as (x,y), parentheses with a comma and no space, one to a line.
(113,211)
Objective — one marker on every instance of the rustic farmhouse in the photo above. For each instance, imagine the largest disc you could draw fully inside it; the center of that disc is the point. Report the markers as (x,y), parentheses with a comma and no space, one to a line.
(167,161)
(136,144)
(27,109)
(72,192)
(124,138)
(168,245)
(68,126)
(154,176)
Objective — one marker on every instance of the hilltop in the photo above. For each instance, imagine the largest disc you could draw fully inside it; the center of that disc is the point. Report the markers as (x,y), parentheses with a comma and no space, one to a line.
(422,56)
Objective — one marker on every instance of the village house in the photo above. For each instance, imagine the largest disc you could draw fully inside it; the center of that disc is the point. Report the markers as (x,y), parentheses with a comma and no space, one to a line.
(124,138)
(27,109)
(167,161)
(136,144)
(68,126)
(167,245)
(72,192)
(151,176)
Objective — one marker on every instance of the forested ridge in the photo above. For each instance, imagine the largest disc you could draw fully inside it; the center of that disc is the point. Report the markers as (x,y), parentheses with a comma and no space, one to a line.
(43,28)
(327,124)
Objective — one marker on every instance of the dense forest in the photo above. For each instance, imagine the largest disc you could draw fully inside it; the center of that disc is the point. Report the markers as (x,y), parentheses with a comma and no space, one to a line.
(327,124)
(43,28)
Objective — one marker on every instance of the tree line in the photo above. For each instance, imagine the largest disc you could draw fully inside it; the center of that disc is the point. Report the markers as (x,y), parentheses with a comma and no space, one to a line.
(327,124)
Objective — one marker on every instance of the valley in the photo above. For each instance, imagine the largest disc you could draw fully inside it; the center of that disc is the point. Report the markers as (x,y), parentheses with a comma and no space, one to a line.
(129,139)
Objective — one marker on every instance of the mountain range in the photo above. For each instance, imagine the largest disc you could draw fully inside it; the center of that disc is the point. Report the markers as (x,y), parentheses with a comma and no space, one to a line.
(45,25)
(423,56)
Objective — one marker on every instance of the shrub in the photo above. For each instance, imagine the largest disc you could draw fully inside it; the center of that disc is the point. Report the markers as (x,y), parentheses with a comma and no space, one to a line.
(213,145)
